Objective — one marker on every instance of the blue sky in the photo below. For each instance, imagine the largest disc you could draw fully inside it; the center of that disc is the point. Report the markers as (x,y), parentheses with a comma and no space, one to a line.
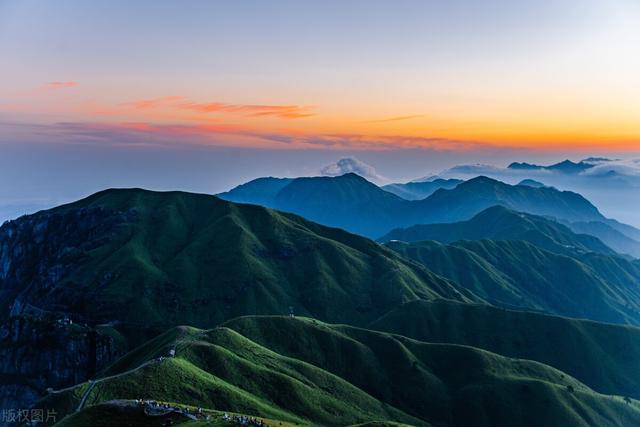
(202,95)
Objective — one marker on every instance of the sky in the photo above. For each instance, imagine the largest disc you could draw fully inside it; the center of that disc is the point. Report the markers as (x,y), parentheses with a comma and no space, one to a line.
(202,95)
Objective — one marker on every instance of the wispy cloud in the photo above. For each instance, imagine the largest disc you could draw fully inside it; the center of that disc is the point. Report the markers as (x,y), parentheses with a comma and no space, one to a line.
(60,85)
(282,111)
(147,104)
(396,119)
(254,110)
(220,134)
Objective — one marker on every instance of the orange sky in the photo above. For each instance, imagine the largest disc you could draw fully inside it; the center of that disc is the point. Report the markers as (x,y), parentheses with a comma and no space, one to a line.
(544,75)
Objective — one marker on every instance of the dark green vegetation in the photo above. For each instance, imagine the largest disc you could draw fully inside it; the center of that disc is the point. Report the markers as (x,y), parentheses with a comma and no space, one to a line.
(351,202)
(127,413)
(605,357)
(171,257)
(139,262)
(517,274)
(500,223)
(128,266)
(304,370)
(420,189)
(526,261)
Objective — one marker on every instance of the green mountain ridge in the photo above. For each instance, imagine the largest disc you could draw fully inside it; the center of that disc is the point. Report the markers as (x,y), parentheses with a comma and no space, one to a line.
(339,375)
(180,252)
(604,356)
(134,263)
(129,265)
(500,223)
(517,274)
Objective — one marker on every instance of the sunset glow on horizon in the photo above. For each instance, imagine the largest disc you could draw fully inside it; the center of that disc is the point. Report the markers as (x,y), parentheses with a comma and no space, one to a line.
(374,75)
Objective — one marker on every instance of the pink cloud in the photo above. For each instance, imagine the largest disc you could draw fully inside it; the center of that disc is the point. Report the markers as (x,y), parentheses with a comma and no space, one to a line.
(147,104)
(282,111)
(181,103)
(143,133)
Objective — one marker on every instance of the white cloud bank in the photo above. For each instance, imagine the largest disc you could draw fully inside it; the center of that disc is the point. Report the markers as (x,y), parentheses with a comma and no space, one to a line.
(353,165)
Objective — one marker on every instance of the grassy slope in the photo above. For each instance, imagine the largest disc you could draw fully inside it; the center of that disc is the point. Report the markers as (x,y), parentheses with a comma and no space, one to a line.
(447,384)
(223,370)
(339,375)
(518,274)
(195,259)
(125,413)
(605,357)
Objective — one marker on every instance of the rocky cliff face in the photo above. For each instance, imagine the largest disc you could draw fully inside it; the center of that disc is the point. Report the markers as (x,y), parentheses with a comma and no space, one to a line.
(38,252)
(36,355)
(46,339)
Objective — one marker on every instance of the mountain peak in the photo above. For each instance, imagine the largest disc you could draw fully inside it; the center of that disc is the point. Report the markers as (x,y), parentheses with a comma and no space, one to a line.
(565,166)
(481,181)
(524,166)
(531,183)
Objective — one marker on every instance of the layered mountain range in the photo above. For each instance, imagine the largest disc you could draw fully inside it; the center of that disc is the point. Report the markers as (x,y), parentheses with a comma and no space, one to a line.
(355,204)
(482,304)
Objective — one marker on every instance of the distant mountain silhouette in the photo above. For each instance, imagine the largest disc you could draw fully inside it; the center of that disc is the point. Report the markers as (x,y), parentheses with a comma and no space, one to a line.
(500,223)
(614,234)
(531,183)
(566,166)
(260,191)
(420,190)
(351,202)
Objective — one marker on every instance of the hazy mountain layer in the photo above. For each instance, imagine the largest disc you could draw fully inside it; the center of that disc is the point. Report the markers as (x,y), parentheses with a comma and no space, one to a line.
(500,223)
(422,189)
(351,202)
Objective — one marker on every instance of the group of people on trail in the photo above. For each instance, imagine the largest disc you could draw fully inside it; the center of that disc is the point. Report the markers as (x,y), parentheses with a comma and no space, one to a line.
(158,408)
(243,420)
(191,413)
(198,413)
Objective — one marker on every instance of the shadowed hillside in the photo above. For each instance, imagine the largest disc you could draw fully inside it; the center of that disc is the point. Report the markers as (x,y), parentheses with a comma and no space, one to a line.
(606,357)
(517,274)
(500,223)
